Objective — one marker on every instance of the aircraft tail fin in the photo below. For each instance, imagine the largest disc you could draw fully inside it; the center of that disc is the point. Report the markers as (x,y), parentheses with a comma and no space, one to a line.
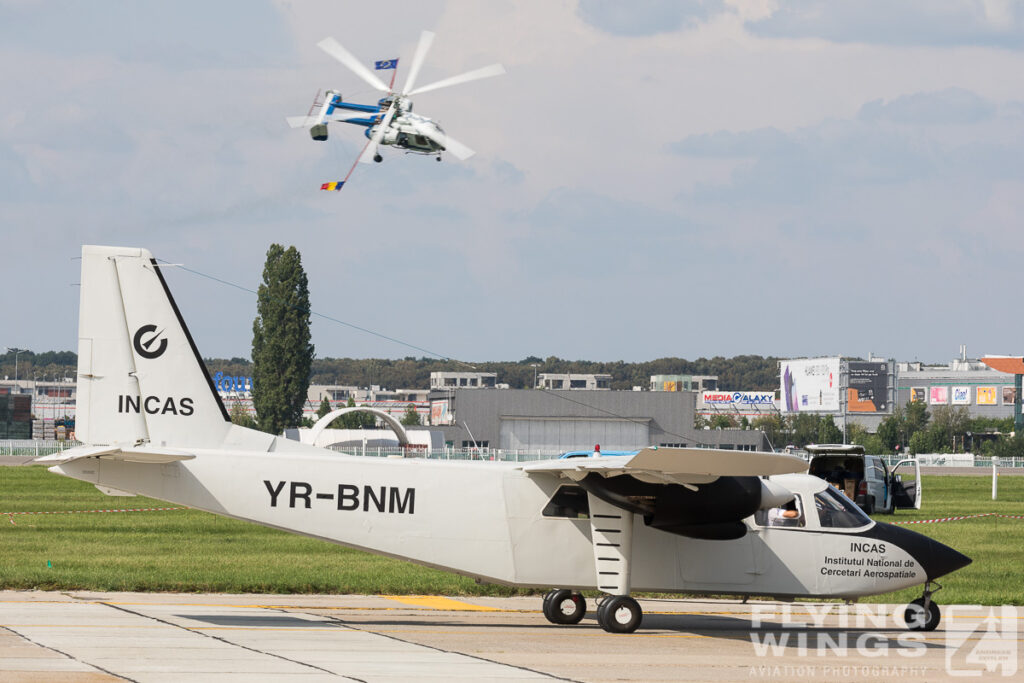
(141,379)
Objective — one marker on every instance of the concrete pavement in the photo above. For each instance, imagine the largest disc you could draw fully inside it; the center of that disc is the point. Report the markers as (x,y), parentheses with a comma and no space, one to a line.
(83,637)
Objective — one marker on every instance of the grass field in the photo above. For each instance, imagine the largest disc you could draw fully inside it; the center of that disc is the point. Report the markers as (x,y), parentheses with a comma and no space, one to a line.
(193,551)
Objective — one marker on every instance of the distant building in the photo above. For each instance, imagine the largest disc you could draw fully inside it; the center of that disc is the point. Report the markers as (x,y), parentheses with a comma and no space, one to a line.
(550,380)
(962,382)
(684,382)
(463,380)
(392,401)
(46,405)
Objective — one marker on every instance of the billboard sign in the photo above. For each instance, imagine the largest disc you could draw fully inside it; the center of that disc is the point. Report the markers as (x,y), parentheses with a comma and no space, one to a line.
(738,399)
(810,385)
(1009,395)
(439,413)
(938,396)
(960,396)
(867,390)
(986,396)
(918,395)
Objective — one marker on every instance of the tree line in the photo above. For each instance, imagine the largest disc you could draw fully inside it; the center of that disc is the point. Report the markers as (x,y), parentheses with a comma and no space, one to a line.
(910,429)
(48,365)
(739,373)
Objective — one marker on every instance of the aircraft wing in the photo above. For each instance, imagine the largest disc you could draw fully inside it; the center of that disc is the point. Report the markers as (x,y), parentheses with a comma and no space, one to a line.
(675,465)
(143,454)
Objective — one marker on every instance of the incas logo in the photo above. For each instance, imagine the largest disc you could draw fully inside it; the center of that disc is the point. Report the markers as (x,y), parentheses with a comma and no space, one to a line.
(155,405)
(144,340)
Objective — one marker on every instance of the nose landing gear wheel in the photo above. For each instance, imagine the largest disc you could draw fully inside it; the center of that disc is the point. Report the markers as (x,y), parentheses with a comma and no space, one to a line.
(919,618)
(564,606)
(619,614)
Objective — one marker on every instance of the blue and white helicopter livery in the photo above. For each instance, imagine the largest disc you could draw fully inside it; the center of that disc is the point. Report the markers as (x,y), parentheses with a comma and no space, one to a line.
(391,120)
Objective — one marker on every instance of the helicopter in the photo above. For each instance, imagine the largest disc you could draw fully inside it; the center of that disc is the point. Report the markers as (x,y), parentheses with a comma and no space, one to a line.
(391,120)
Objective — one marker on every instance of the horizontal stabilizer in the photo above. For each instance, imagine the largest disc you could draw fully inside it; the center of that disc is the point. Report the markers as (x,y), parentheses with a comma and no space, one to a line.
(310,121)
(143,454)
(676,465)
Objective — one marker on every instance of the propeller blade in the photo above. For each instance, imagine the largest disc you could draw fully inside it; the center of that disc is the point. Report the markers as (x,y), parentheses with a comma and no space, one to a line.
(426,39)
(334,49)
(371,149)
(486,72)
(449,143)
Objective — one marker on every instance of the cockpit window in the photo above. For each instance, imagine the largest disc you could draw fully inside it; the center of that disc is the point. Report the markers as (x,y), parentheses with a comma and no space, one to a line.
(836,511)
(789,515)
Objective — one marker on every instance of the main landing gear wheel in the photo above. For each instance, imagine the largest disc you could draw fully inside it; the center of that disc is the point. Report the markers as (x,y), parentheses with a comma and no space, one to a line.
(619,614)
(921,618)
(378,158)
(564,606)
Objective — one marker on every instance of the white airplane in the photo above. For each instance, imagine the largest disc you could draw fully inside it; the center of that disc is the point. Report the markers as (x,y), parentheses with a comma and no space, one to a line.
(664,519)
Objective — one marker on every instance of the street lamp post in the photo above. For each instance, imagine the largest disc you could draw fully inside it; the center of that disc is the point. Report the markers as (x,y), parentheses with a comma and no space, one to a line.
(16,352)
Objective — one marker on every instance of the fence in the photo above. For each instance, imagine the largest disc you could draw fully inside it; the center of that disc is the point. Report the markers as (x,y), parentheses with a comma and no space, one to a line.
(483,454)
(954,460)
(35,448)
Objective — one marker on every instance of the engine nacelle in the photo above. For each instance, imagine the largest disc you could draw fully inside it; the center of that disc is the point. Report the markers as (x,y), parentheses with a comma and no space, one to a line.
(713,511)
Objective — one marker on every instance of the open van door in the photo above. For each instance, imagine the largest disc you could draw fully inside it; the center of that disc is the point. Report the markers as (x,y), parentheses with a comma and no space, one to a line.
(906,495)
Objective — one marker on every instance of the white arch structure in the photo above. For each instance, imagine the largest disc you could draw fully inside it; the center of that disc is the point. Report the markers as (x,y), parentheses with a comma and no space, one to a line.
(396,426)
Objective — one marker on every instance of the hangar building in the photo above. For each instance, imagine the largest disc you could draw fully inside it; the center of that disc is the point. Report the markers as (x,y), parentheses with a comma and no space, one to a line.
(552,421)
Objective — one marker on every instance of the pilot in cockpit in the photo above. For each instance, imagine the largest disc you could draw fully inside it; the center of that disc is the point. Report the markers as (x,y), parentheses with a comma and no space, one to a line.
(787,515)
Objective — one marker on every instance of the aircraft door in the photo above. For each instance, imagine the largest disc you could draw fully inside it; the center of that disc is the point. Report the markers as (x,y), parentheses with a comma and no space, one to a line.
(721,563)
(906,495)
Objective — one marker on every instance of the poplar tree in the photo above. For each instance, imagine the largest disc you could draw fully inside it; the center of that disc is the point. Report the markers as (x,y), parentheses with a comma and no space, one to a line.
(282,354)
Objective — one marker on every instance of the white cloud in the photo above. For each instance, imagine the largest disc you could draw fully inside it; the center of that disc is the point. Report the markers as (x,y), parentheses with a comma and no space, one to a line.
(668,171)
(940,23)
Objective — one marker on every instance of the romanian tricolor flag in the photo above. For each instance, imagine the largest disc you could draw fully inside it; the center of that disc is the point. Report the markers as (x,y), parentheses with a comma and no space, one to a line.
(332,186)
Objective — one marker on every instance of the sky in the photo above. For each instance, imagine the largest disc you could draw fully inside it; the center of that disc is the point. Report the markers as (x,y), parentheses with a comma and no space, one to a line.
(653,178)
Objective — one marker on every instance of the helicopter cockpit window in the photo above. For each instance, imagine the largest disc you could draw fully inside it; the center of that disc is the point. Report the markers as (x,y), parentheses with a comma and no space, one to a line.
(837,511)
(568,501)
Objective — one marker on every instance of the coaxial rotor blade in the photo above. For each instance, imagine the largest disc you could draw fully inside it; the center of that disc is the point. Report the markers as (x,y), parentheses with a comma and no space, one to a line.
(334,49)
(426,39)
(302,121)
(378,135)
(449,143)
(457,148)
(486,72)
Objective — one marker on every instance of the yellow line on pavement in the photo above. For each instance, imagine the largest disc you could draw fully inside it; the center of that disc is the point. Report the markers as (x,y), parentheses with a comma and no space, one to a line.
(440,603)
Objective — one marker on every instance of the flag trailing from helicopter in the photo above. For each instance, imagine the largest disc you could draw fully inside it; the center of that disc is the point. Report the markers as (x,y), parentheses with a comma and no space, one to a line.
(333,186)
(385,64)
